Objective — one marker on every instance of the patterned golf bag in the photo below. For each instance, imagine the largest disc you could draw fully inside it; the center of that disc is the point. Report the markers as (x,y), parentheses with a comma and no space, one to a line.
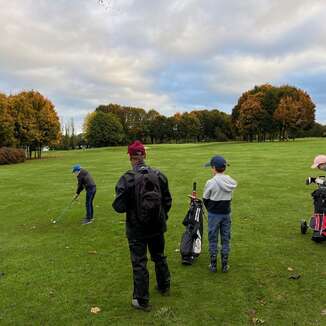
(191,241)
(318,220)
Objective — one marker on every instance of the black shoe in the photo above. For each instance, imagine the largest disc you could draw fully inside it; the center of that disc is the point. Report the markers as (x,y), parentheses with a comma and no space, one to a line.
(187,260)
(225,266)
(164,292)
(212,265)
(87,221)
(145,307)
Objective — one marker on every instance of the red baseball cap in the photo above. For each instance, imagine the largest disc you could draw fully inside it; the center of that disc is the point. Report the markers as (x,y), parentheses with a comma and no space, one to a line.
(136,148)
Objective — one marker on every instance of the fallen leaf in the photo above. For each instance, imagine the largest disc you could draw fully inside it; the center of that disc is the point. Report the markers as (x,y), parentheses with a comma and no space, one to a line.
(262,302)
(252,313)
(95,310)
(92,252)
(294,276)
(290,269)
(252,316)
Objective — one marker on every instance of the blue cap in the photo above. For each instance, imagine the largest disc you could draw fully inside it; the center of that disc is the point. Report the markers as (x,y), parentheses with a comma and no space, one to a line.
(217,161)
(76,168)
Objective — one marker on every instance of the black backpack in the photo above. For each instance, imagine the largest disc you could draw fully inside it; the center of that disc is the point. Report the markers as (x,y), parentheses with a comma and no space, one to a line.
(148,196)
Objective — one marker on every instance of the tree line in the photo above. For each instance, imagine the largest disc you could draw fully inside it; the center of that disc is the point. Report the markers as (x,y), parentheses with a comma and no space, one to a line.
(114,124)
(263,113)
(29,121)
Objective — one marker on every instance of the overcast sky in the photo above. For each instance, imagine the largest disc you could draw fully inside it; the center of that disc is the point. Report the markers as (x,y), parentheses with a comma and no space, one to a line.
(171,55)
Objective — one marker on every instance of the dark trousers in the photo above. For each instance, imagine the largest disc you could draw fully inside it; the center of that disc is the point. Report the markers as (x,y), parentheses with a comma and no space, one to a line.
(138,254)
(90,194)
(219,223)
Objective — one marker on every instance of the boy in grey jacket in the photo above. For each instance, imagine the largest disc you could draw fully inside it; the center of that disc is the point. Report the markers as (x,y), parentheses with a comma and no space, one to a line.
(217,199)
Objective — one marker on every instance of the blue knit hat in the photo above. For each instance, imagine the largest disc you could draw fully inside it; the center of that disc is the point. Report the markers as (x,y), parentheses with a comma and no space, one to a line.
(76,168)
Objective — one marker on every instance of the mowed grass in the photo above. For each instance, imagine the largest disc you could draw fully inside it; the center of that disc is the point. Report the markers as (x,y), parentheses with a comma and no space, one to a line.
(55,274)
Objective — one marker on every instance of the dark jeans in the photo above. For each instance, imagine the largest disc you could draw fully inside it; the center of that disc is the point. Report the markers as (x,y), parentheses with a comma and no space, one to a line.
(138,254)
(90,194)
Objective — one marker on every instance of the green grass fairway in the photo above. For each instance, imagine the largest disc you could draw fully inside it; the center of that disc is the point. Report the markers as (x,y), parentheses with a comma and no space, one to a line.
(55,274)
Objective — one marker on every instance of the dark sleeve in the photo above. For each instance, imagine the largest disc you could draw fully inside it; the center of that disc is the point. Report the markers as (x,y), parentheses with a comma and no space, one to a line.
(80,186)
(120,202)
(206,201)
(166,195)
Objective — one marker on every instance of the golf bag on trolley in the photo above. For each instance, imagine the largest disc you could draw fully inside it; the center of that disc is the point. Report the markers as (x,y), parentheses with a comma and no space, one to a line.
(318,220)
(191,241)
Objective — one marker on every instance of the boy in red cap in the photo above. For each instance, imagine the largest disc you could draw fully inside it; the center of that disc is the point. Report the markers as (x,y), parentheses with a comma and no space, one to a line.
(143,194)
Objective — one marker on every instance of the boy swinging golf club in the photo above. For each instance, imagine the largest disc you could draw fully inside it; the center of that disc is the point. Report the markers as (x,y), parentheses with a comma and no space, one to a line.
(85,181)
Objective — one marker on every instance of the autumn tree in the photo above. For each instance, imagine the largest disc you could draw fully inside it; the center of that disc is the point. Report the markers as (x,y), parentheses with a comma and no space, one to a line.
(36,123)
(250,117)
(6,123)
(266,111)
(294,112)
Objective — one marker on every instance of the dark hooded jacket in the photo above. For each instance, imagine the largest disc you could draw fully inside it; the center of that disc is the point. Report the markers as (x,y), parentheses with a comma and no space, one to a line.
(125,202)
(85,180)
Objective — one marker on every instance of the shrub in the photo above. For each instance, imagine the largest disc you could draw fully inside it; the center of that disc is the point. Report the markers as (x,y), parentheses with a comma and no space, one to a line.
(11,155)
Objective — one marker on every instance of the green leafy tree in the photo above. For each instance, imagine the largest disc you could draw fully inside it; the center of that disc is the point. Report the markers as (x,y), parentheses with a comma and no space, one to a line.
(188,127)
(149,127)
(104,129)
(132,119)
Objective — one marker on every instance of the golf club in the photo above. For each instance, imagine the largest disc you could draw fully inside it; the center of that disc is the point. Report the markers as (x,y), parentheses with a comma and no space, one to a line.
(63,212)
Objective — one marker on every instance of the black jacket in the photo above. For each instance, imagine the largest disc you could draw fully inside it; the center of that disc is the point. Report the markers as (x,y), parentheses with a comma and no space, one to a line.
(85,180)
(125,202)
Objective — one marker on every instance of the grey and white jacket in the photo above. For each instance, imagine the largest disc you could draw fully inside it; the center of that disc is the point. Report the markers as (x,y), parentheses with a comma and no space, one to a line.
(218,194)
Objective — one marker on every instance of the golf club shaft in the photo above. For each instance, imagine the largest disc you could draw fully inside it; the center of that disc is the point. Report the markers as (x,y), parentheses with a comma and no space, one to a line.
(63,212)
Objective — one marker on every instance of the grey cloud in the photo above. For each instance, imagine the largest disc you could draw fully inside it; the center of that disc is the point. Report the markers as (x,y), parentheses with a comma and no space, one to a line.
(171,55)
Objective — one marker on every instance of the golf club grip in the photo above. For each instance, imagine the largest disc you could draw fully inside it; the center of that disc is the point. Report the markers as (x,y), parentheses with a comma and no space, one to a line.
(194,186)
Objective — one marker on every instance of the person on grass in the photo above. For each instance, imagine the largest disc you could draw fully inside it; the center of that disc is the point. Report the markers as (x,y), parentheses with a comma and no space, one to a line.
(143,194)
(217,200)
(85,181)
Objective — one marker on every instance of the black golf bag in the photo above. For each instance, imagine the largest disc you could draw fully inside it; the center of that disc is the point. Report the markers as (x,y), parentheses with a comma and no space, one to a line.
(191,241)
(318,220)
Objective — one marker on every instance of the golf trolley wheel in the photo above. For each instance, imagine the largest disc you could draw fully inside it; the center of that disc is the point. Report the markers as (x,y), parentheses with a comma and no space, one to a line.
(304,227)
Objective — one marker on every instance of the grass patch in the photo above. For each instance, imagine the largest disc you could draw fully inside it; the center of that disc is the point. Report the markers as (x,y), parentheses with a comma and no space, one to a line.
(55,274)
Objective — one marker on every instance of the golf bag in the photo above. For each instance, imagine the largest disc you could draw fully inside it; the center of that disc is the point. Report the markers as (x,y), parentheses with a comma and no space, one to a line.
(191,241)
(318,220)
